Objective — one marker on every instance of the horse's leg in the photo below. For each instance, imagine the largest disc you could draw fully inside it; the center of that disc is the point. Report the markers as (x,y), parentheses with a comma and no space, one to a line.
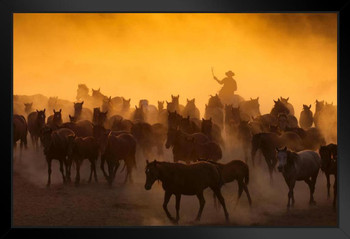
(103,167)
(167,196)
(328,185)
(68,163)
(48,171)
(62,171)
(218,194)
(77,176)
(245,188)
(215,202)
(201,205)
(178,198)
(291,193)
(94,167)
(240,190)
(312,189)
(91,168)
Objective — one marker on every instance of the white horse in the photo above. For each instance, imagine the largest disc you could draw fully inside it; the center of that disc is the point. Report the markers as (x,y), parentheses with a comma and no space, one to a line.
(300,166)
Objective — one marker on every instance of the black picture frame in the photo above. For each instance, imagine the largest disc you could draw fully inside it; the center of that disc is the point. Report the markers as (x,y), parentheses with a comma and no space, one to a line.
(342,8)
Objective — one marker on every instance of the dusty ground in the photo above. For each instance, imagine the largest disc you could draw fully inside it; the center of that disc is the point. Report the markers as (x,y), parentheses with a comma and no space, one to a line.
(96,204)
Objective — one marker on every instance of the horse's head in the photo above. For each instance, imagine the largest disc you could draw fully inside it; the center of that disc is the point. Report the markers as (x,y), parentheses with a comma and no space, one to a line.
(306,108)
(255,106)
(319,105)
(191,103)
(282,119)
(284,100)
(78,107)
(82,91)
(72,119)
(152,173)
(206,125)
(160,105)
(285,159)
(41,116)
(175,99)
(126,103)
(28,107)
(171,137)
(174,119)
(57,116)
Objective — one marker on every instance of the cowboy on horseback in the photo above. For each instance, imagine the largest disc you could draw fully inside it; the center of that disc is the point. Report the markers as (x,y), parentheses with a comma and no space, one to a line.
(230,85)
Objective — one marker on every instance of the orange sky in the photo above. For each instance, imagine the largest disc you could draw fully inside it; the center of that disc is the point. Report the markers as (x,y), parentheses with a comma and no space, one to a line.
(155,55)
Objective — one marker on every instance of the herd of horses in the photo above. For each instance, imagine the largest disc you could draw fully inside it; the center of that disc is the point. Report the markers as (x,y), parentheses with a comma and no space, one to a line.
(109,129)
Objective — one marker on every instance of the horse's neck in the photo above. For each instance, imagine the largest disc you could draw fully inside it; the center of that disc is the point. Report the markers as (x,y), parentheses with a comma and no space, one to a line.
(165,172)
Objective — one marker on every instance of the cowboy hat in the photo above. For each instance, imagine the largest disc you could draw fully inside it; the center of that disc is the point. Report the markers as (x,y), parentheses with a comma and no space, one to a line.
(230,73)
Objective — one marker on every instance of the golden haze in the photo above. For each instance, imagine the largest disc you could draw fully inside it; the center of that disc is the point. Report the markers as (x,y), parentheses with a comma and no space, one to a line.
(155,55)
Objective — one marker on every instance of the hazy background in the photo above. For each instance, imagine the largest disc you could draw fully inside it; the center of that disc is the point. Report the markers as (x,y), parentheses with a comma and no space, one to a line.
(155,55)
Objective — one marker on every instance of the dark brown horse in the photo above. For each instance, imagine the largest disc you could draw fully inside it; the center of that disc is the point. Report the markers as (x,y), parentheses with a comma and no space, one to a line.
(180,179)
(36,121)
(212,131)
(279,108)
(82,128)
(306,117)
(329,155)
(20,131)
(120,147)
(55,121)
(56,146)
(182,150)
(80,148)
(81,113)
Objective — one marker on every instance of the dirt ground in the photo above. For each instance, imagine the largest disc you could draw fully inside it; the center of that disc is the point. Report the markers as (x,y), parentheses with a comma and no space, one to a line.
(97,204)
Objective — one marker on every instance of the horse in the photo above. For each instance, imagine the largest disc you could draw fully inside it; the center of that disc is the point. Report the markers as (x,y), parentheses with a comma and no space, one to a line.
(329,155)
(162,113)
(306,117)
(138,115)
(28,108)
(245,137)
(180,179)
(176,103)
(81,128)
(55,144)
(212,131)
(149,136)
(191,110)
(232,119)
(300,166)
(207,150)
(250,107)
(278,108)
(285,121)
(80,148)
(174,119)
(36,120)
(189,125)
(121,124)
(55,120)
(234,170)
(81,113)
(120,147)
(182,150)
(319,107)
(20,131)
(288,105)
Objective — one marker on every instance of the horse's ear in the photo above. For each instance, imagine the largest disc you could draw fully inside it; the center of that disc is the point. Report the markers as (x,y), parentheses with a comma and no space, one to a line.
(257,98)
(274,101)
(202,119)
(54,111)
(147,161)
(98,89)
(37,111)
(82,103)
(60,110)
(187,100)
(188,117)
(287,99)
(251,98)
(135,107)
(44,110)
(309,106)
